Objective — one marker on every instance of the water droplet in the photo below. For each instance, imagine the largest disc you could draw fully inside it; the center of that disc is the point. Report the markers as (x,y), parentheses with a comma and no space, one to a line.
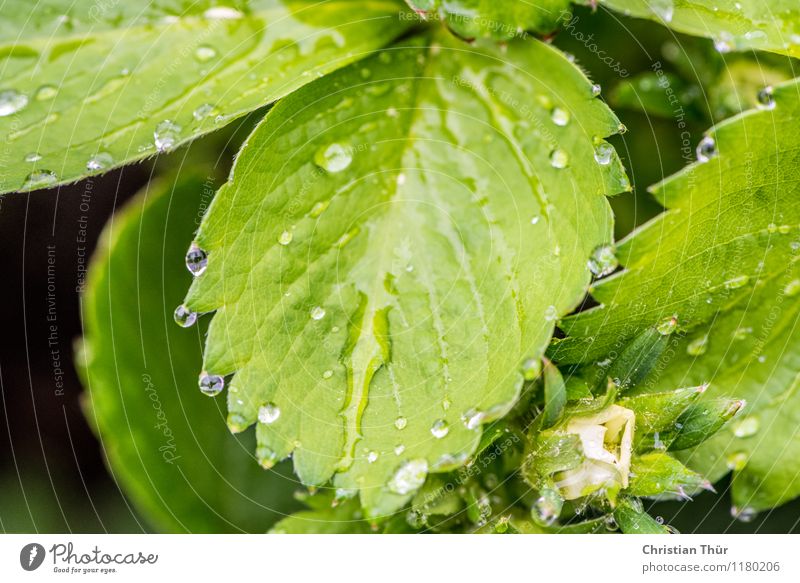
(196,260)
(211,384)
(473,418)
(46,92)
(372,457)
(440,429)
(446,401)
(742,333)
(698,346)
(266,457)
(534,220)
(596,90)
(560,116)
(11,101)
(184,317)
(205,53)
(269,413)
(222,13)
(603,153)
(660,519)
(327,374)
(333,158)
(664,9)
(792,288)
(706,149)
(559,159)
(747,427)
(766,98)
(166,135)
(39,179)
(745,514)
(610,522)
(736,461)
(603,261)
(531,369)
(285,238)
(100,161)
(401,422)
(551,313)
(204,111)
(409,477)
(667,326)
(736,282)
(547,507)
(33,157)
(317,313)
(399,449)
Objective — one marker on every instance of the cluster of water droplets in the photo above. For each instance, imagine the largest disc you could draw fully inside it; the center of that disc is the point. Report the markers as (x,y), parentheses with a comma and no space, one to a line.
(603,261)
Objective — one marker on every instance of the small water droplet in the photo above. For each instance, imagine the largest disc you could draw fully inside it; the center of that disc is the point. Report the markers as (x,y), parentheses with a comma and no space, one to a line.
(211,384)
(551,313)
(333,158)
(792,288)
(46,92)
(745,514)
(747,427)
(222,13)
(399,449)
(440,429)
(327,374)
(473,418)
(269,413)
(372,457)
(196,260)
(737,282)
(667,326)
(534,220)
(317,313)
(400,422)
(166,135)
(766,98)
(706,149)
(596,90)
(184,317)
(205,53)
(39,179)
(33,157)
(285,238)
(11,101)
(531,369)
(560,116)
(559,159)
(100,161)
(736,461)
(697,347)
(610,523)
(409,477)
(204,111)
(603,153)
(603,261)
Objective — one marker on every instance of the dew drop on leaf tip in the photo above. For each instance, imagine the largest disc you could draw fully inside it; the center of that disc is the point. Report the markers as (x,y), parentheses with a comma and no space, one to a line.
(766,98)
(211,384)
(184,317)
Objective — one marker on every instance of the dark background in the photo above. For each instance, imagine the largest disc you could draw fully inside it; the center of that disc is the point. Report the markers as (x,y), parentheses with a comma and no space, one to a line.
(52,475)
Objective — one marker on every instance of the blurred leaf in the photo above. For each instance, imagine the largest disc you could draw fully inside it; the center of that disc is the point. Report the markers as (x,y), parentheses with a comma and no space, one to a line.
(341,265)
(165,443)
(666,95)
(723,260)
(88,86)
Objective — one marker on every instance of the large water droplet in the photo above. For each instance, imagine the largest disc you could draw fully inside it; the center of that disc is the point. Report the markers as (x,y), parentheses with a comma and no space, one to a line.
(473,418)
(166,135)
(603,261)
(603,153)
(747,427)
(196,260)
(333,158)
(706,149)
(11,101)
(269,413)
(317,313)
(559,159)
(547,507)
(560,116)
(184,317)
(596,90)
(440,428)
(409,477)
(100,161)
(39,179)
(266,457)
(211,384)
(285,238)
(766,98)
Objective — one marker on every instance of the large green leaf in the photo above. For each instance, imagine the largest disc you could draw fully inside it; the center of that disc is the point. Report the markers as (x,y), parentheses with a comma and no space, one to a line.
(394,242)
(721,265)
(167,449)
(501,19)
(770,25)
(85,86)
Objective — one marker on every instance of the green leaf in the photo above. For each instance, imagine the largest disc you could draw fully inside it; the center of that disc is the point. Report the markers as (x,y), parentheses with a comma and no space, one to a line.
(632,519)
(723,261)
(657,473)
(395,241)
(555,395)
(167,449)
(343,518)
(769,25)
(87,86)
(501,19)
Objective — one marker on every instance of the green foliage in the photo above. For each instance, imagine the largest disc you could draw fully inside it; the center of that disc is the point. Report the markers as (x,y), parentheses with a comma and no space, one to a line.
(722,262)
(381,350)
(79,95)
(167,448)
